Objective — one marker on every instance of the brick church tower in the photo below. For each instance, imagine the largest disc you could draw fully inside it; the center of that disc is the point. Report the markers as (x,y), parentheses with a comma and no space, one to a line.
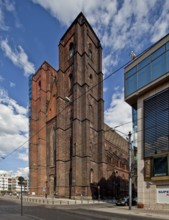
(67,151)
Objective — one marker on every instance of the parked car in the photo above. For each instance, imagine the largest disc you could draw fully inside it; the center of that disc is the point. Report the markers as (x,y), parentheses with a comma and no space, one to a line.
(122,201)
(134,201)
(125,201)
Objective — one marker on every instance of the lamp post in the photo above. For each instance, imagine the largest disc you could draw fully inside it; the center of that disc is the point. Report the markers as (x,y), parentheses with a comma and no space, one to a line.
(46,191)
(21,182)
(130,171)
(98,192)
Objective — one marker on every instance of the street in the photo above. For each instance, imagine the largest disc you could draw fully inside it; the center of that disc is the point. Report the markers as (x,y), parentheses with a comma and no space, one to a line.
(78,212)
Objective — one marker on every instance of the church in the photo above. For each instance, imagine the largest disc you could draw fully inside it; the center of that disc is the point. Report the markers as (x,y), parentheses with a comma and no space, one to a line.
(72,152)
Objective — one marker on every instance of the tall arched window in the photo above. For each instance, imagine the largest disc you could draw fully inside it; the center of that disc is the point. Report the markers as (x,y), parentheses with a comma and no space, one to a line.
(90,50)
(71,49)
(53,147)
(39,84)
(70,82)
(39,87)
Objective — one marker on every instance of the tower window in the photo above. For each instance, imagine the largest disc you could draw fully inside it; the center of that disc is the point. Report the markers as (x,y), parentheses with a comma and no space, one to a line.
(39,87)
(70,81)
(71,49)
(90,50)
(91,79)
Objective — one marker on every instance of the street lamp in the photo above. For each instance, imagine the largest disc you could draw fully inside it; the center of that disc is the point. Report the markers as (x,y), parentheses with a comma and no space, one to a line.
(130,171)
(98,192)
(46,190)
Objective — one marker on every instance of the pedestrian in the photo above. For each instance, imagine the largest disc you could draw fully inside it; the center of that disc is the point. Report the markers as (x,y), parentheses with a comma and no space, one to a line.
(46,195)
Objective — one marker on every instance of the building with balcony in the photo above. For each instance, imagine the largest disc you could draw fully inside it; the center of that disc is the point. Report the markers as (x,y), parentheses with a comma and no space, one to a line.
(147,91)
(9,184)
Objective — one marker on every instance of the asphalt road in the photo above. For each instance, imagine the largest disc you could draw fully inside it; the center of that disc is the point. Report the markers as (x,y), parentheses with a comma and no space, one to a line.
(62,212)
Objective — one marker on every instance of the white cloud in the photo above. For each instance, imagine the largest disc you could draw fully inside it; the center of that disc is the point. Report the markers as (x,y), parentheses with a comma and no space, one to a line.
(58,8)
(23,156)
(5,6)
(13,126)
(7,172)
(160,28)
(10,6)
(109,61)
(24,171)
(18,57)
(119,113)
(12,84)
(3,26)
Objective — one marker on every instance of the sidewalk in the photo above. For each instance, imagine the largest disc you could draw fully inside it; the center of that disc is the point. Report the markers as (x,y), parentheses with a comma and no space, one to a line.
(100,206)
(160,214)
(18,217)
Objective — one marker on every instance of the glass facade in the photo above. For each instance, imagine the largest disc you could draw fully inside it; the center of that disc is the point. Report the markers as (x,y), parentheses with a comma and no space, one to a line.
(148,70)
(160,167)
(156,124)
(156,133)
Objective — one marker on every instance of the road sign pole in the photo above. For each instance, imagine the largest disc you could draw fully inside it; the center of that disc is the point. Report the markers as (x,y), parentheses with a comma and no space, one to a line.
(21,181)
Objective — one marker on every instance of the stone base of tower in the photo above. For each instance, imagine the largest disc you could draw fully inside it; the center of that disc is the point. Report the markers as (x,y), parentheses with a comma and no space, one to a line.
(76,192)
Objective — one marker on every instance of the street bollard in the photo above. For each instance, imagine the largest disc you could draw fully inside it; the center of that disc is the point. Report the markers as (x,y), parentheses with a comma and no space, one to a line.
(81,199)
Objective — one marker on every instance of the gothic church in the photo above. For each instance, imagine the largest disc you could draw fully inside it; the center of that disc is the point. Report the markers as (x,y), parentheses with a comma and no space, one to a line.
(71,151)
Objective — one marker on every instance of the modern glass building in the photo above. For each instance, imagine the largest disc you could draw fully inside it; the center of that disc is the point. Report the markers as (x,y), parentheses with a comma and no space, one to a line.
(147,91)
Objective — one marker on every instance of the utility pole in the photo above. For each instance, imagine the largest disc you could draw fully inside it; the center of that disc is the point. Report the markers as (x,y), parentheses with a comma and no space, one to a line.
(21,181)
(130,171)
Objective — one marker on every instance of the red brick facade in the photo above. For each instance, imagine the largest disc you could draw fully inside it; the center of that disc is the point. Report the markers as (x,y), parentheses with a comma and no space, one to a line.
(68,151)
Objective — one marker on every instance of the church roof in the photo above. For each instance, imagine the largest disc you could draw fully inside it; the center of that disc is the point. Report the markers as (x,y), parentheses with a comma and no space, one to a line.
(114,138)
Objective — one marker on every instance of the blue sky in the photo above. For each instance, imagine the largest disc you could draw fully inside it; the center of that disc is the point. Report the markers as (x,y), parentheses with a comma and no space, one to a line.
(29,34)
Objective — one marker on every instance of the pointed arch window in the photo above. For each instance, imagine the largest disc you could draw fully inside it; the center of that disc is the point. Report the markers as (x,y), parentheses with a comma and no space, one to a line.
(53,147)
(90,50)
(39,87)
(71,50)
(39,84)
(70,82)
